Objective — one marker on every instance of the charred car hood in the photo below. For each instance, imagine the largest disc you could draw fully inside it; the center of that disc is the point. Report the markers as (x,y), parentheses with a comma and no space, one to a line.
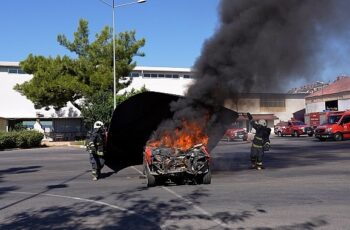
(135,119)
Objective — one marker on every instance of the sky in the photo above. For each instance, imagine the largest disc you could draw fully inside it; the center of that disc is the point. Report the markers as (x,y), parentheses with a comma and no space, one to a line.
(175,30)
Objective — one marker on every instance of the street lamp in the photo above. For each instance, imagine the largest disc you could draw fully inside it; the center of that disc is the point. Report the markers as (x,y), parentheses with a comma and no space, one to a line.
(113,25)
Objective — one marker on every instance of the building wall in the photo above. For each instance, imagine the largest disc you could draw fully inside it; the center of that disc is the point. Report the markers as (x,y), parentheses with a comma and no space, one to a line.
(292,105)
(315,107)
(253,104)
(344,104)
(317,104)
(172,86)
(15,105)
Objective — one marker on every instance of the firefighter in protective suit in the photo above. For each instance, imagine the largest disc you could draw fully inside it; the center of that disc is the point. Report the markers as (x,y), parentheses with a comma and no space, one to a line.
(261,142)
(96,146)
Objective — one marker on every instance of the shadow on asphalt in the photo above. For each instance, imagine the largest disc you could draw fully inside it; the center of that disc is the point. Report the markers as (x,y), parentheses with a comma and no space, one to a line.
(106,174)
(148,213)
(18,170)
(30,169)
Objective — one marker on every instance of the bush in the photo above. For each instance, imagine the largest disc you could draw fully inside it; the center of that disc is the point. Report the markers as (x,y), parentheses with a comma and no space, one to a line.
(7,140)
(20,139)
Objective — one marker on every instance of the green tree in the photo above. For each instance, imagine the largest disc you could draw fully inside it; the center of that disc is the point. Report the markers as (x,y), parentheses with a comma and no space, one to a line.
(82,79)
(99,106)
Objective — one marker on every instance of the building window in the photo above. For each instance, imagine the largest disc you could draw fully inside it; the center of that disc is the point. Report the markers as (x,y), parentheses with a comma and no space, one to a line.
(161,75)
(13,71)
(134,74)
(187,76)
(154,75)
(272,104)
(331,105)
(175,76)
(168,76)
(146,75)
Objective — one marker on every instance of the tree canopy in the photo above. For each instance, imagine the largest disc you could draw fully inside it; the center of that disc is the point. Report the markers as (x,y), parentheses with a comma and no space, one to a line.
(79,80)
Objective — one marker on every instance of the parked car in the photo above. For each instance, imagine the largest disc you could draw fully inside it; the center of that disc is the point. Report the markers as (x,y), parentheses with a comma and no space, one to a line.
(235,133)
(293,128)
(279,127)
(336,127)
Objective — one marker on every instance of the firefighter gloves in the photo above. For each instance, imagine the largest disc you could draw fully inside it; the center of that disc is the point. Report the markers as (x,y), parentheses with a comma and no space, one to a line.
(250,117)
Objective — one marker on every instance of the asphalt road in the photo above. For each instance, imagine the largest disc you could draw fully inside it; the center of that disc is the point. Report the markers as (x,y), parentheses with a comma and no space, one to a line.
(306,185)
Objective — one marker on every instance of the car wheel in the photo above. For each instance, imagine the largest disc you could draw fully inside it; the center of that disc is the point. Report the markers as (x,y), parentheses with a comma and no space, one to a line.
(338,137)
(151,180)
(310,134)
(296,134)
(279,134)
(322,139)
(207,177)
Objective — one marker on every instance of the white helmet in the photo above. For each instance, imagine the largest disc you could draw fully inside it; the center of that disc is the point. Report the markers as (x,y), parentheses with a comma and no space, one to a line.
(98,124)
(262,122)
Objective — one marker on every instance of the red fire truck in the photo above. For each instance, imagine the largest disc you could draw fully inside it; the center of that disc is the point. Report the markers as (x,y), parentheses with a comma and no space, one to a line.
(317,118)
(336,126)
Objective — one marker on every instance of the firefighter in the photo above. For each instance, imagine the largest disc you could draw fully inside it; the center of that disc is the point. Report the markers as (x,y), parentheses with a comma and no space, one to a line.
(96,147)
(261,142)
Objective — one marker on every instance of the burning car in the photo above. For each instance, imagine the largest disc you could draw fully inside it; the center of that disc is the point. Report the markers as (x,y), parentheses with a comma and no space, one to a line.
(179,154)
(161,164)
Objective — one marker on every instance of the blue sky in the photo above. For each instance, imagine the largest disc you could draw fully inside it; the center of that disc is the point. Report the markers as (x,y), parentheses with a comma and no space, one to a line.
(175,30)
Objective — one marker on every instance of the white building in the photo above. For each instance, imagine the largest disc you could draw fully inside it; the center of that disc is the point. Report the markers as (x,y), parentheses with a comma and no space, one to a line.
(269,106)
(67,122)
(334,97)
(15,108)
(162,79)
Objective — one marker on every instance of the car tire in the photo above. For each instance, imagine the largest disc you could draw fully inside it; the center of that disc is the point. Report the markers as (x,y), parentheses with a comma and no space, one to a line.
(322,139)
(151,180)
(279,134)
(310,134)
(296,134)
(338,136)
(207,177)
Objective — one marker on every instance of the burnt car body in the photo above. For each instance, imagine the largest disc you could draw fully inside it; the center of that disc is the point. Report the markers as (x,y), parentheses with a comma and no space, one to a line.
(162,164)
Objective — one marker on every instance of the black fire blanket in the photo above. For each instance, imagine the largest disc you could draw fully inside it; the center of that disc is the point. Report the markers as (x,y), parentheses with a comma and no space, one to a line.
(135,119)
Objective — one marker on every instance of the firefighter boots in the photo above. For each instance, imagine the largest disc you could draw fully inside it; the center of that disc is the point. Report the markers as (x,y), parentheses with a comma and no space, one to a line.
(259,166)
(94,175)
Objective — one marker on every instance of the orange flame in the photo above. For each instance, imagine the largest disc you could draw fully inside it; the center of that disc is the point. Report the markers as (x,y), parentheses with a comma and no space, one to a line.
(190,134)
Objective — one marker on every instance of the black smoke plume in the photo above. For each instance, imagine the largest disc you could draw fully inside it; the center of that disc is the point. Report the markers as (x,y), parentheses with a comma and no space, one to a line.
(260,46)
(263,45)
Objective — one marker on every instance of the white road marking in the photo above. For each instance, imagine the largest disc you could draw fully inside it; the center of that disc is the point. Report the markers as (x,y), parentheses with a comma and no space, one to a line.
(201,210)
(90,201)
(137,170)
